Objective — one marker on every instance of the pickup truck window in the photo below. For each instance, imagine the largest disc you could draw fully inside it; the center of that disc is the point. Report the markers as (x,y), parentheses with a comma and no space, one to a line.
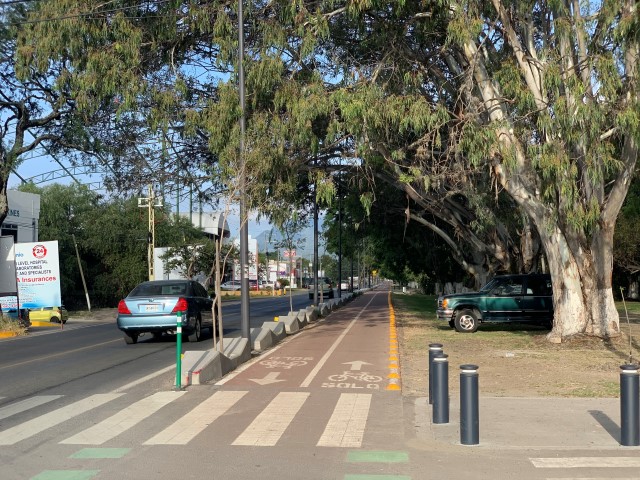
(508,286)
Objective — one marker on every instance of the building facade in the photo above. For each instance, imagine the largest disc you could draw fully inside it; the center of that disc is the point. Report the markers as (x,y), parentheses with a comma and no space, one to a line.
(23,217)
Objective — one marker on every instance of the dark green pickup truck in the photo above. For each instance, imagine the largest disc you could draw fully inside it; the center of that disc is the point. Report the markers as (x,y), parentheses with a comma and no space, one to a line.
(506,298)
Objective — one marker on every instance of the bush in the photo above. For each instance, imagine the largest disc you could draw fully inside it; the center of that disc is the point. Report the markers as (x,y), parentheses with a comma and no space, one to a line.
(9,324)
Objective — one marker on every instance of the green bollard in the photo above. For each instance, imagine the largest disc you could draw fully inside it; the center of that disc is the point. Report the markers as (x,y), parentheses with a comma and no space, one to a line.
(179,352)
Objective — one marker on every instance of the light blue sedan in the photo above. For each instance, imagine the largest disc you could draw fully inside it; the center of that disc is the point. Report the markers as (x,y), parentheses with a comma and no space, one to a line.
(152,307)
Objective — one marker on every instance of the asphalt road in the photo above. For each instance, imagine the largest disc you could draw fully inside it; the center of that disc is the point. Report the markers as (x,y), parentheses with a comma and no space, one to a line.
(91,350)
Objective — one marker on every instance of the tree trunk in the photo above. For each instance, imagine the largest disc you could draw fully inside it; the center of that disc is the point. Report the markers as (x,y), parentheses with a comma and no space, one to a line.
(582,293)
(4,203)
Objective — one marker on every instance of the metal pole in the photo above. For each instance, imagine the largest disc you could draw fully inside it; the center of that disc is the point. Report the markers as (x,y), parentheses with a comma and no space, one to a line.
(441,389)
(179,351)
(629,406)
(469,409)
(339,239)
(434,349)
(244,232)
(315,246)
(84,284)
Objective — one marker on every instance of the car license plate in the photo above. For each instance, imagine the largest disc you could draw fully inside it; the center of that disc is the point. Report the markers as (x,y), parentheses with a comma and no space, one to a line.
(150,308)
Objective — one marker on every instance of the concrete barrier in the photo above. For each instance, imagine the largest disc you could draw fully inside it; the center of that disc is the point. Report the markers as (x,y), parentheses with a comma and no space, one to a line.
(302,318)
(237,349)
(291,324)
(199,367)
(324,309)
(262,338)
(312,314)
(277,329)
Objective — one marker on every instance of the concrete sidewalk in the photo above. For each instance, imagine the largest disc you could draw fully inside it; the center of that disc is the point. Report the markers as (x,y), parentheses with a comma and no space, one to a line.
(529,423)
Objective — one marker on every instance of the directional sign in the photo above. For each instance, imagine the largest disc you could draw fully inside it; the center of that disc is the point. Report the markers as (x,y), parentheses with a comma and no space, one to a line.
(356,364)
(271,377)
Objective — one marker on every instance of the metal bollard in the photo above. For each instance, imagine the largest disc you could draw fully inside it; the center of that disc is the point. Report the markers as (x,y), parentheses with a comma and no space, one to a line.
(440,389)
(434,348)
(178,385)
(469,409)
(629,406)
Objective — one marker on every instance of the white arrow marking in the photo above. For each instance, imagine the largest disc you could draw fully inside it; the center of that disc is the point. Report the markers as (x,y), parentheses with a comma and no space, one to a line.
(356,364)
(271,377)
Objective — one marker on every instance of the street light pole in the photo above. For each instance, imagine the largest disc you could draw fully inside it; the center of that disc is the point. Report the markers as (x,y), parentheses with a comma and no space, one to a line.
(244,233)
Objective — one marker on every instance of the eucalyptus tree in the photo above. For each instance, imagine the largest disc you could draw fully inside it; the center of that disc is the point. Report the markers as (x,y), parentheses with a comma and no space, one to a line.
(36,111)
(541,96)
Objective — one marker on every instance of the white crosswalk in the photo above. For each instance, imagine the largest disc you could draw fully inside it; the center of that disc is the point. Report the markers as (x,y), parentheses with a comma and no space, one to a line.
(557,463)
(123,420)
(48,420)
(345,428)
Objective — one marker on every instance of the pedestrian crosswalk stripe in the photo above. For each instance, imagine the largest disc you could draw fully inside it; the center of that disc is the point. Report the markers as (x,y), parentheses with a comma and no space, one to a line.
(347,423)
(123,420)
(267,428)
(194,422)
(66,475)
(25,405)
(586,462)
(30,428)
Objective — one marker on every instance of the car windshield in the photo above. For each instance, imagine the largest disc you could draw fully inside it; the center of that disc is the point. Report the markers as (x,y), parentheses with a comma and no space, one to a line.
(145,289)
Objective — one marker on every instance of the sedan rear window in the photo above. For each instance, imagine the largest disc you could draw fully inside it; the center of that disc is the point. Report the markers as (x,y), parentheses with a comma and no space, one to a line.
(159,289)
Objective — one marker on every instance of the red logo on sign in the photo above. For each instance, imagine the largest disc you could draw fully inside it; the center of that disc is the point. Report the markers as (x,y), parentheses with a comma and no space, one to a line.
(39,251)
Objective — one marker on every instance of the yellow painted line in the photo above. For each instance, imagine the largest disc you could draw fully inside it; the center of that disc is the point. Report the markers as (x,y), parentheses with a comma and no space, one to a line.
(394,369)
(8,334)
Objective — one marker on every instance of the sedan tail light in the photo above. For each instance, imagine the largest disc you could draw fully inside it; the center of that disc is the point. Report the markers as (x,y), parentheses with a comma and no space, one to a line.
(122,308)
(181,306)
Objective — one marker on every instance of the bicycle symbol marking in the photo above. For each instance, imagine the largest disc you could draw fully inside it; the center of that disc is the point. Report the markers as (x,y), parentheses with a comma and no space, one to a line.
(359,376)
(285,363)
(348,379)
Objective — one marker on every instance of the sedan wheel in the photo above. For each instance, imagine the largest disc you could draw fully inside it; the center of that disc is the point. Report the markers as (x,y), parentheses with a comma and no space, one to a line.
(131,338)
(197,331)
(466,321)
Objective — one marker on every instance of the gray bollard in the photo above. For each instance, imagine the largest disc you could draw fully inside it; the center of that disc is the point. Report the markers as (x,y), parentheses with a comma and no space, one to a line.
(440,412)
(629,406)
(469,407)
(434,348)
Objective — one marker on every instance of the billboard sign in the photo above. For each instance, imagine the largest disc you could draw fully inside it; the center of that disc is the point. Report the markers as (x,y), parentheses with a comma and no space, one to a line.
(38,274)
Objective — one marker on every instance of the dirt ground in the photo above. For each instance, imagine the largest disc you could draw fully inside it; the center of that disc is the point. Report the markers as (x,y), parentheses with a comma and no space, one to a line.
(516,360)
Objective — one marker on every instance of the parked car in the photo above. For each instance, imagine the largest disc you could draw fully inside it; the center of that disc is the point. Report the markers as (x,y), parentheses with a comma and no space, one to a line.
(49,314)
(506,298)
(231,285)
(152,307)
(325,288)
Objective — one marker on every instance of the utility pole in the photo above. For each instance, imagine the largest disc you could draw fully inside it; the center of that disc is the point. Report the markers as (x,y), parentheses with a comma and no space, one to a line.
(150,203)
(84,284)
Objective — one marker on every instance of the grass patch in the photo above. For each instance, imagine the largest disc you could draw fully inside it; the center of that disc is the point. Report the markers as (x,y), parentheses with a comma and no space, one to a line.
(514,359)
(8,324)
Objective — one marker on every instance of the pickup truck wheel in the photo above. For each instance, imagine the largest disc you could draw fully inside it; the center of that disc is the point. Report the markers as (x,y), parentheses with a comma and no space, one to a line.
(466,321)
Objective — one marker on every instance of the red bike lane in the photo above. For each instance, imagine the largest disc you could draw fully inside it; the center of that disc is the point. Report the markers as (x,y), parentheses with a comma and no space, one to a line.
(349,350)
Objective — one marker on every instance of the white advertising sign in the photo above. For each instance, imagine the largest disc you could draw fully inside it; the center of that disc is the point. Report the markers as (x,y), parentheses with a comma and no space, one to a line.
(38,274)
